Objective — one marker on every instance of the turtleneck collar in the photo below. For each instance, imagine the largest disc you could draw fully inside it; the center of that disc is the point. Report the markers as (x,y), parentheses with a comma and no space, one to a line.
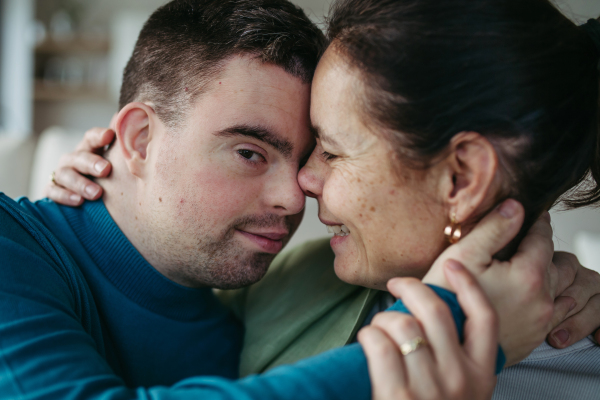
(129,272)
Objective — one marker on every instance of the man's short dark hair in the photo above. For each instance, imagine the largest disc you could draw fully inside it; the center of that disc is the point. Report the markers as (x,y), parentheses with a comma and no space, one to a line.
(185,44)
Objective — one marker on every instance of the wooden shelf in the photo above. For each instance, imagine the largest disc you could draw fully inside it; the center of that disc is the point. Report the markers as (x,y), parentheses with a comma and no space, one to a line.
(77,45)
(46,92)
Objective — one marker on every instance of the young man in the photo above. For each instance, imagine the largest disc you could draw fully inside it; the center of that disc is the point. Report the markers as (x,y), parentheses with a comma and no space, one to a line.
(114,299)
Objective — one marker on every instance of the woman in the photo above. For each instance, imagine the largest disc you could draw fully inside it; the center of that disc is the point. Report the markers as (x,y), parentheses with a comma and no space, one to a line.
(428,114)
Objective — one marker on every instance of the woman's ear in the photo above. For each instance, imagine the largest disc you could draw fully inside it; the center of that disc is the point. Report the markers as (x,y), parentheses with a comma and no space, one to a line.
(134,125)
(473,164)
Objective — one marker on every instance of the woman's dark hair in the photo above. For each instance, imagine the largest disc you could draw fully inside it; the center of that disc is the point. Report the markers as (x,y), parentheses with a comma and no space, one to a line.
(516,71)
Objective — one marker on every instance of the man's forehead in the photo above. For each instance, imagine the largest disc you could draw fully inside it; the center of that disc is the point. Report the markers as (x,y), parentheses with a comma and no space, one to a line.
(246,70)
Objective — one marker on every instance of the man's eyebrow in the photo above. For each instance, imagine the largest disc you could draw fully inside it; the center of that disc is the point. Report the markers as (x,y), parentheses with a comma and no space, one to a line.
(283,146)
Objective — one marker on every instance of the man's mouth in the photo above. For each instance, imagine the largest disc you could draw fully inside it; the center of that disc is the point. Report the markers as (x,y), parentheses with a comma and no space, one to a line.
(267,242)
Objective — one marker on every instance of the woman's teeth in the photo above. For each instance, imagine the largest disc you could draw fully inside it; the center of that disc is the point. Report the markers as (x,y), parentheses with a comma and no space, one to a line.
(338,230)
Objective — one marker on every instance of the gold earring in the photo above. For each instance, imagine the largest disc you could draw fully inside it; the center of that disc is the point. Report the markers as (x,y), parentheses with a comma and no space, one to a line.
(453,231)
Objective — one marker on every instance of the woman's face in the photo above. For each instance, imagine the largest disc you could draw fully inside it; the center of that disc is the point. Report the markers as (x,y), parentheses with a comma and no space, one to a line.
(394,221)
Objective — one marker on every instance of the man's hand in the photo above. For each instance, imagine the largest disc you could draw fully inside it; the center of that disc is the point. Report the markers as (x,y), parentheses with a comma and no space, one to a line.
(535,291)
(582,285)
(71,187)
(522,289)
(442,369)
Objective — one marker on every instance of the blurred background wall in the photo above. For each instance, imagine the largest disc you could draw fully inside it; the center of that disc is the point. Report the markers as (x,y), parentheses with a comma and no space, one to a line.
(60,71)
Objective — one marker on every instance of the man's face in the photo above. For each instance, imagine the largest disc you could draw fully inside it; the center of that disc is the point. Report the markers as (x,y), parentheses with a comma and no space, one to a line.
(222,197)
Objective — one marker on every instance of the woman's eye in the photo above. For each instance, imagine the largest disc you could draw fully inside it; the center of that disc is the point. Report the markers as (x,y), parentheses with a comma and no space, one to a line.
(251,155)
(328,156)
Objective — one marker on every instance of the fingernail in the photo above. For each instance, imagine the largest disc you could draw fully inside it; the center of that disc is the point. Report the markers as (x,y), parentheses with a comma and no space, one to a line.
(561,336)
(100,165)
(454,265)
(508,209)
(75,198)
(573,305)
(91,190)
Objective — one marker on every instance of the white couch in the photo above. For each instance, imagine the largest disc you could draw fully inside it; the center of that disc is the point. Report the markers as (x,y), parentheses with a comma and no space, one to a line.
(26,164)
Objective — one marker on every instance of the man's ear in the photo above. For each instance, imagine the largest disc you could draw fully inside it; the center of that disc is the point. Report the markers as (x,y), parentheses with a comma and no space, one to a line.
(134,127)
(473,164)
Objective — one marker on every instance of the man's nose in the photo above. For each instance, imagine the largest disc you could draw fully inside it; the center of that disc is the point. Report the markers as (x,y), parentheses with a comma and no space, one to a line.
(284,192)
(311,177)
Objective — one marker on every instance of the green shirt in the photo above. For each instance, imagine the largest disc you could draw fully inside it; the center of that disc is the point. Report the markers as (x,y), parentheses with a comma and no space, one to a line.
(280,329)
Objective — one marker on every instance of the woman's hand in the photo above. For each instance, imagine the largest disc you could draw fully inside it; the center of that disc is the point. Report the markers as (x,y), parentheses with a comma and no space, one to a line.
(71,187)
(443,368)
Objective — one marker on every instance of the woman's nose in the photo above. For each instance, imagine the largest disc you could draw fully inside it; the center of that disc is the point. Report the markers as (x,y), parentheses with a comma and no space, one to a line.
(311,177)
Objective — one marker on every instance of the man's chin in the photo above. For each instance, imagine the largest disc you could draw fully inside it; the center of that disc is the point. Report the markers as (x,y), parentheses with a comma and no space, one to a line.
(241,273)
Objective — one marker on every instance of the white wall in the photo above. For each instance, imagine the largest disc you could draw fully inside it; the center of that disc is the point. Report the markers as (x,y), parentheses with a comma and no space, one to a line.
(579,10)
(16,59)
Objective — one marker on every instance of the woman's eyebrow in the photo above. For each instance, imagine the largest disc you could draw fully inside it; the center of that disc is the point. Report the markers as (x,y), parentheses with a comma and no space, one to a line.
(318,134)
(283,146)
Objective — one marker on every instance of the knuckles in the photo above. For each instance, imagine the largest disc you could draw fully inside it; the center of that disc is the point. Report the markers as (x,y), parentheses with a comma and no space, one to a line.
(396,322)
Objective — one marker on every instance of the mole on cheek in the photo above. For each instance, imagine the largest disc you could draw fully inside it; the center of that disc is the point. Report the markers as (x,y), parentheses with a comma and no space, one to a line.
(160,199)
(372,208)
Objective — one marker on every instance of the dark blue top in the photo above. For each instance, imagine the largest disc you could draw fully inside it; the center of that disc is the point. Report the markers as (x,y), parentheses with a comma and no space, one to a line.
(83,315)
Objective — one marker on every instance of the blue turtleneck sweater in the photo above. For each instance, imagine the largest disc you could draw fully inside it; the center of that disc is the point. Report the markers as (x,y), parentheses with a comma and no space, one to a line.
(84,316)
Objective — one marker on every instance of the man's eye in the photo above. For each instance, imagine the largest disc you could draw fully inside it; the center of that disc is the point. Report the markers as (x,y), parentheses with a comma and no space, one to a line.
(251,155)
(328,156)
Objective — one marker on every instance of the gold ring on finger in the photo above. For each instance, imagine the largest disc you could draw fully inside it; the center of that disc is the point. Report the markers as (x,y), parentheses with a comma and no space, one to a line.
(53,177)
(412,345)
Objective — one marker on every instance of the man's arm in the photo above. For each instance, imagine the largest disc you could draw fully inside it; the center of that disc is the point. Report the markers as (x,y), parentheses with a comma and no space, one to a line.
(442,368)
(46,351)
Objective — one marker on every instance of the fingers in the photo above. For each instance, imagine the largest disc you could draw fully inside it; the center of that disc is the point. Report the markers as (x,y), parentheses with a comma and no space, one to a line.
(585,285)
(481,326)
(404,329)
(86,163)
(386,368)
(490,235)
(95,139)
(567,266)
(475,250)
(537,248)
(562,306)
(76,183)
(578,326)
(62,196)
(435,317)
